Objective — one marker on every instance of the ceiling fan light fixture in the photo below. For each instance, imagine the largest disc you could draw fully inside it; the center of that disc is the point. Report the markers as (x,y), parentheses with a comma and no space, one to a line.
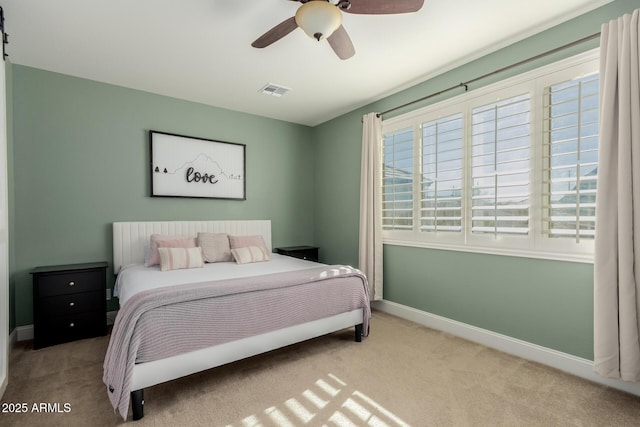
(318,18)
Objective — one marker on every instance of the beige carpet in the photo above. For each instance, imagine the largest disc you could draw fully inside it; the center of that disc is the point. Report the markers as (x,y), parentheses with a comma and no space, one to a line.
(403,374)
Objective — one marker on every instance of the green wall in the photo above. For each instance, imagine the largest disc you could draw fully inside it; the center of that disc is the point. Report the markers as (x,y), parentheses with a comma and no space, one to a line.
(80,162)
(544,302)
(549,303)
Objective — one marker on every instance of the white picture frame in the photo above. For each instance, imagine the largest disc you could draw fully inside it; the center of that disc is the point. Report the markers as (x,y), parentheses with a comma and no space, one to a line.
(185,166)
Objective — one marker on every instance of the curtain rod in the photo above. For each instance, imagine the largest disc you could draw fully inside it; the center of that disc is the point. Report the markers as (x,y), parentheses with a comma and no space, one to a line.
(500,70)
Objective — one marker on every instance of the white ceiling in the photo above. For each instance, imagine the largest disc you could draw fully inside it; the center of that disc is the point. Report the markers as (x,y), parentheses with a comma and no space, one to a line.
(200,50)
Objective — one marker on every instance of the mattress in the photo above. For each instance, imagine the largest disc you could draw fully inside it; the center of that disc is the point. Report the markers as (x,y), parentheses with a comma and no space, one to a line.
(135,278)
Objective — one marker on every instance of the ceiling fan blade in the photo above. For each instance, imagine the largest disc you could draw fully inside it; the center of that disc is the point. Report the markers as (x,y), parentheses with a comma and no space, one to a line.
(382,7)
(341,43)
(276,33)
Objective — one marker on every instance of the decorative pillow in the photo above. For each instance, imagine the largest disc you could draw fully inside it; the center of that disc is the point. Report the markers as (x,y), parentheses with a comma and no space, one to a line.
(177,258)
(215,247)
(250,254)
(167,242)
(244,241)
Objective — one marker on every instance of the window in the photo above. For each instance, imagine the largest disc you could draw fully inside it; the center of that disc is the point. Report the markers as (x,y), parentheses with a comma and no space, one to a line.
(500,141)
(571,158)
(442,175)
(508,169)
(397,177)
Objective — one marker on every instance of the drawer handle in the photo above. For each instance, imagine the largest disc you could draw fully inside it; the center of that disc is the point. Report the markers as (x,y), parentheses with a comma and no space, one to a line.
(71,325)
(71,304)
(72,283)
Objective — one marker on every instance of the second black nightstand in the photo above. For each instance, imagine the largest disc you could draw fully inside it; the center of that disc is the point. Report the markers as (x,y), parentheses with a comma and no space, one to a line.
(309,253)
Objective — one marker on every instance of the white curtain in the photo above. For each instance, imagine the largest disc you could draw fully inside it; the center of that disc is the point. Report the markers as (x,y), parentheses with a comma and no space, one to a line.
(371,205)
(617,242)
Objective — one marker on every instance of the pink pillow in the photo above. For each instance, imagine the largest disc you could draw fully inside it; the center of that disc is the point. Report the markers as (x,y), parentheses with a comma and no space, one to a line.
(245,241)
(158,240)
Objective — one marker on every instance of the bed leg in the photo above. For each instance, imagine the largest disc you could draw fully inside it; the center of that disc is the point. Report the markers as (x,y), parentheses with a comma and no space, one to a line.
(137,404)
(359,333)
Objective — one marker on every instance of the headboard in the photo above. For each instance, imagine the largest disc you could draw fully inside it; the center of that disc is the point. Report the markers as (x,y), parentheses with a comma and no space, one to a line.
(130,238)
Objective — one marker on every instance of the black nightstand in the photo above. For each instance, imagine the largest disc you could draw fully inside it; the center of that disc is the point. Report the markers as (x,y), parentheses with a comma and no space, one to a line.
(303,252)
(69,303)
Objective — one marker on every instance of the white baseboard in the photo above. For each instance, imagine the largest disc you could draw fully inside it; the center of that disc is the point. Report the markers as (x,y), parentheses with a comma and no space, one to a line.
(574,365)
(24,333)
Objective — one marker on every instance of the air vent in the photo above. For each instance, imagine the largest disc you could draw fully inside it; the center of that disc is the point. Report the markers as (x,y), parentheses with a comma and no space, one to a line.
(274,90)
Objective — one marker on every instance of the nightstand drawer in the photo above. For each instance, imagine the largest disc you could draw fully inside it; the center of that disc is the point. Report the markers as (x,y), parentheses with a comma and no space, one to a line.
(70,304)
(69,283)
(69,328)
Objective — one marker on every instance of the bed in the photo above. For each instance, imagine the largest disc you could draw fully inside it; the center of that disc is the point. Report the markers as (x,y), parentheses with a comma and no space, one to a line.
(178,322)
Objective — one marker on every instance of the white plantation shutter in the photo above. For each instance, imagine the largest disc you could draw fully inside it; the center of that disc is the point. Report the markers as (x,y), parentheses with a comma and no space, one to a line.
(442,174)
(397,180)
(570,161)
(500,173)
(508,169)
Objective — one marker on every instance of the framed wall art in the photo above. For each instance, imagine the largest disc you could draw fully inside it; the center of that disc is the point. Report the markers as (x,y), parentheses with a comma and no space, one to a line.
(184,166)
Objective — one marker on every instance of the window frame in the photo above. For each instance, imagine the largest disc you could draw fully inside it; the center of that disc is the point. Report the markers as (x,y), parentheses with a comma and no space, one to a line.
(536,244)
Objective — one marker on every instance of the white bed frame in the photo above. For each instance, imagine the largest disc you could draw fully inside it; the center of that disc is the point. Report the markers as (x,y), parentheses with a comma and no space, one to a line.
(129,240)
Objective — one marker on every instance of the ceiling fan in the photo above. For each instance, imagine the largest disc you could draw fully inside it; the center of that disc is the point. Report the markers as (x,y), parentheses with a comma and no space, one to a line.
(322,19)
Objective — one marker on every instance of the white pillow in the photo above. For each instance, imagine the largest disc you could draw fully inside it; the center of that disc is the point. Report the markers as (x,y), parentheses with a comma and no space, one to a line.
(250,254)
(178,258)
(215,247)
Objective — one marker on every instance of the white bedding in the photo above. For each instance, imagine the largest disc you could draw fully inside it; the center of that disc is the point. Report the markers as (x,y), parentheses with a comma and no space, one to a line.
(137,278)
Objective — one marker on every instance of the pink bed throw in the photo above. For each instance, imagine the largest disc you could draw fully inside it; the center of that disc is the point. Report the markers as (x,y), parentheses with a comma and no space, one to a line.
(153,325)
